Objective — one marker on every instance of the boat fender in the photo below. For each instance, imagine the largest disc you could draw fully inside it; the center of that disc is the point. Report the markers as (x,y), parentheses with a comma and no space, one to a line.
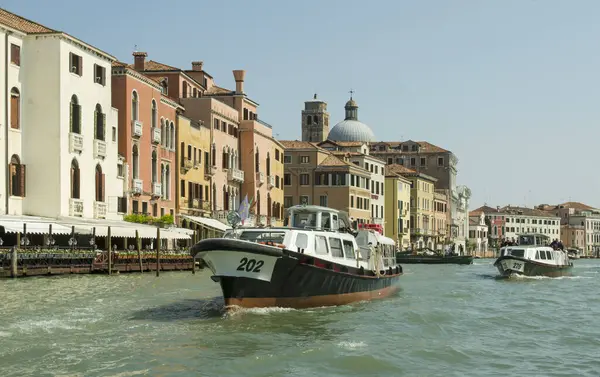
(361,270)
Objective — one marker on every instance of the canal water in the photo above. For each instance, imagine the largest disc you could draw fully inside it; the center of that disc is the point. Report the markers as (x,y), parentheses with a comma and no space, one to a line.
(446,321)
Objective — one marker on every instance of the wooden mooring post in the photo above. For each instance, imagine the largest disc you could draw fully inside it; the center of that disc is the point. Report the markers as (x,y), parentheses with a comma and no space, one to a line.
(139,249)
(157,251)
(196,238)
(109,247)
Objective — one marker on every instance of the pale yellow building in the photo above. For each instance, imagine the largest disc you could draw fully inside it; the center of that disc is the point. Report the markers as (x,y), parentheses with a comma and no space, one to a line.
(440,219)
(315,176)
(397,208)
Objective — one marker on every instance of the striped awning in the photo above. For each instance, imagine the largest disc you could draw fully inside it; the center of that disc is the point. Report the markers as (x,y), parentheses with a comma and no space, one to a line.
(33,227)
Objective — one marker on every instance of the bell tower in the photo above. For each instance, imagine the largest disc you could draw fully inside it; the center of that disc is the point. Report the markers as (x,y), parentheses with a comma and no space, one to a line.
(315,121)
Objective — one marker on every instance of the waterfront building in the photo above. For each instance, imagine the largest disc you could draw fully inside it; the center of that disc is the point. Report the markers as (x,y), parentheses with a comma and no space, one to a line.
(441,218)
(422,215)
(61,140)
(478,237)
(440,164)
(147,140)
(573,236)
(397,208)
(316,176)
(357,152)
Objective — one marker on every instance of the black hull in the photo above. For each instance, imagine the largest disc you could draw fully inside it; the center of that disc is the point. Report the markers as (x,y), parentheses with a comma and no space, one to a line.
(301,281)
(532,268)
(434,259)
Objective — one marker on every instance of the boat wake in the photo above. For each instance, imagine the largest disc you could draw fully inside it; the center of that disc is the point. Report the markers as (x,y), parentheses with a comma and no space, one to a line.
(523,277)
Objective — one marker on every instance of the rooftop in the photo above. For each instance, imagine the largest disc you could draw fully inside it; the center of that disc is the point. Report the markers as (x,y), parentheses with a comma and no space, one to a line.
(22,24)
(424,147)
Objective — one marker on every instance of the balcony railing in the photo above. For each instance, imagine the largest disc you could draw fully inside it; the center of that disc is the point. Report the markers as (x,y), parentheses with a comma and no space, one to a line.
(100,209)
(271,181)
(260,177)
(75,142)
(136,128)
(75,207)
(156,189)
(235,175)
(137,186)
(209,170)
(99,148)
(187,165)
(156,135)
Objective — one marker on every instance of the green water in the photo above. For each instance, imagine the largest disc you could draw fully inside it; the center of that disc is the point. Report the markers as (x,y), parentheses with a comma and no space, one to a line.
(446,321)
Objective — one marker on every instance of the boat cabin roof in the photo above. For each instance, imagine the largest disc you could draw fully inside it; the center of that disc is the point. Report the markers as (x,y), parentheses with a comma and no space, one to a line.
(317,218)
(533,239)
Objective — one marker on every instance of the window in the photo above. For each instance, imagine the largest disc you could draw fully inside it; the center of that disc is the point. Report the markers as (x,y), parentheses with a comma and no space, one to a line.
(423,161)
(154,167)
(17,177)
(15,109)
(120,171)
(276,154)
(304,179)
(134,106)
(323,200)
(257,161)
(99,75)
(288,201)
(154,115)
(99,184)
(76,64)
(336,247)
(15,54)
(413,161)
(287,159)
(75,177)
(277,179)
(348,249)
(216,124)
(182,189)
(189,152)
(135,162)
(268,164)
(320,245)
(440,161)
(304,159)
(75,115)
(114,134)
(304,200)
(99,121)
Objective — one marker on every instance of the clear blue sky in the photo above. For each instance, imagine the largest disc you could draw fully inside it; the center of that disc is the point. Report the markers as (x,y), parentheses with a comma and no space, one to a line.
(512,87)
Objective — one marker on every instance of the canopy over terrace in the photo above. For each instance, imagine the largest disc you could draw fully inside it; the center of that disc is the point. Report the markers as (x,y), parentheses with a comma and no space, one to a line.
(206,222)
(122,229)
(32,225)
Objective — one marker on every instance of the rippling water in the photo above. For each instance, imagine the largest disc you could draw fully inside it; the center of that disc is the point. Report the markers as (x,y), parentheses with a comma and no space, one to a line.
(446,321)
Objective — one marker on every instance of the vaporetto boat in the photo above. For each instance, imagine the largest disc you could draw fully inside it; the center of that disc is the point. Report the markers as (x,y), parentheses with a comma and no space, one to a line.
(317,260)
(532,257)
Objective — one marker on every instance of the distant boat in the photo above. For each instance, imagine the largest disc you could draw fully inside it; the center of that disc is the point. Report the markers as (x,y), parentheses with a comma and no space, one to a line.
(432,258)
(532,257)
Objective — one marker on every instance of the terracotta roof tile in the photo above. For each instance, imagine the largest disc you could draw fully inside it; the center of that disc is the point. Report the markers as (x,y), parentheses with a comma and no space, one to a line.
(22,24)
(343,143)
(426,147)
(296,144)
(344,153)
(577,205)
(217,90)
(398,169)
(334,161)
(119,64)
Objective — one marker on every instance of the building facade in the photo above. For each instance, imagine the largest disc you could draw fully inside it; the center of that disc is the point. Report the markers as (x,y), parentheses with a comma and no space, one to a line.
(478,239)
(147,141)
(315,121)
(573,236)
(440,219)
(397,208)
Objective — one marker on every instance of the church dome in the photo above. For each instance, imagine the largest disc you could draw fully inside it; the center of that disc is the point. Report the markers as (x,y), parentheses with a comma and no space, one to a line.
(351,129)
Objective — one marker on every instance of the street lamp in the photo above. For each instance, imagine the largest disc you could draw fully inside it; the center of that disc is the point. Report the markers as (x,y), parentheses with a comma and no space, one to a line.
(50,241)
(72,242)
(25,241)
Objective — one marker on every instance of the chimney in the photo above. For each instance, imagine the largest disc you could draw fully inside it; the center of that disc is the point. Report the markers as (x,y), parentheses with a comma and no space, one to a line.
(238,75)
(197,66)
(139,60)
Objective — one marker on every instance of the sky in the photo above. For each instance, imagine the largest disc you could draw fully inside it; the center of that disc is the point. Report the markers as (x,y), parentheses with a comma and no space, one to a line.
(511,87)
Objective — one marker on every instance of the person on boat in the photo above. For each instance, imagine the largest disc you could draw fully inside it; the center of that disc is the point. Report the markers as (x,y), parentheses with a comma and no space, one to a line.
(560,245)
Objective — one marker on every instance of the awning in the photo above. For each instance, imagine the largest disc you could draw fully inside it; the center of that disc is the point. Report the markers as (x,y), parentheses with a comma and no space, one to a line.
(206,221)
(33,227)
(122,229)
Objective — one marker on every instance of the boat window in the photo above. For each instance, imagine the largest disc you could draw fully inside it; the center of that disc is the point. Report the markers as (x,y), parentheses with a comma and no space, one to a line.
(517,253)
(349,249)
(320,245)
(302,241)
(336,247)
(275,237)
(302,220)
(326,221)
(334,222)
(542,254)
(549,254)
(537,254)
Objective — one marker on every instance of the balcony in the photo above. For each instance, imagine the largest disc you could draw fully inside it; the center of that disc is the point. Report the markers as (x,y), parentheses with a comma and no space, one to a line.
(209,170)
(99,148)
(156,189)
(136,128)
(75,143)
(235,175)
(76,207)
(272,221)
(271,181)
(100,209)
(262,220)
(260,178)
(156,135)
(187,165)
(137,186)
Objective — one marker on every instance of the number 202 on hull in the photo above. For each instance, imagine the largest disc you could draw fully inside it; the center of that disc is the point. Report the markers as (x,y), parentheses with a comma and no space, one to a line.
(255,275)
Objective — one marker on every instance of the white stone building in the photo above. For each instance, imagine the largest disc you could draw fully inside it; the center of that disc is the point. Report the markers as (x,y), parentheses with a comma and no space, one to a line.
(590,221)
(63,154)
(478,241)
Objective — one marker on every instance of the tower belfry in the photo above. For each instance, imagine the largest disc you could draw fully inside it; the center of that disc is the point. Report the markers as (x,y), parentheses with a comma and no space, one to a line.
(315,120)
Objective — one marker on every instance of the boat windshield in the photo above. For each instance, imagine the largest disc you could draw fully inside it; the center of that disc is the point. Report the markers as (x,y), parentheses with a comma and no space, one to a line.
(266,236)
(517,252)
(302,220)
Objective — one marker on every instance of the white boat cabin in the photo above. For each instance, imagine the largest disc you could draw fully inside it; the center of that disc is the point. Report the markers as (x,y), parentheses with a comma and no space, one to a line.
(320,231)
(535,247)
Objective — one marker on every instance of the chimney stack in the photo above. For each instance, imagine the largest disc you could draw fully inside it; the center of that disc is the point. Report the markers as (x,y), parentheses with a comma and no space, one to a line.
(197,66)
(238,75)
(139,60)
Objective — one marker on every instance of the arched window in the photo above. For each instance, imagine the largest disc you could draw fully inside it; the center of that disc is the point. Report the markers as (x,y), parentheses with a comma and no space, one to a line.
(163,132)
(17,177)
(135,161)
(168,134)
(245,114)
(15,109)
(135,103)
(214,155)
(163,181)
(154,167)
(269,209)
(256,161)
(99,123)
(316,119)
(172,144)
(257,203)
(75,178)
(75,115)
(268,164)
(184,91)
(308,120)
(99,184)
(182,153)
(154,114)
(214,197)
(168,182)
(225,199)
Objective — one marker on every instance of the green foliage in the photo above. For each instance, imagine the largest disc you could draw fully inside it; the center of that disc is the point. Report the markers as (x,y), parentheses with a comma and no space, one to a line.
(145,219)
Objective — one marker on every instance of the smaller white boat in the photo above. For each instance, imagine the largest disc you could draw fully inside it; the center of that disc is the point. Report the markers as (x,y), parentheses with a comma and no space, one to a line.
(533,257)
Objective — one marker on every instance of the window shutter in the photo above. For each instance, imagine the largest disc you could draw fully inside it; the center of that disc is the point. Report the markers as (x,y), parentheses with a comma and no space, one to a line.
(78,119)
(14,112)
(71,117)
(80,66)
(23,180)
(102,188)
(103,127)
(96,124)
(10,180)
